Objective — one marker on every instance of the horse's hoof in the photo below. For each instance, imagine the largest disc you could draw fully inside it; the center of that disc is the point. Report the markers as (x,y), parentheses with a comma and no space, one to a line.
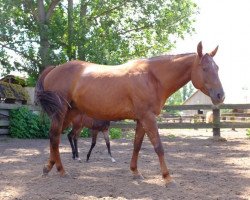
(138,177)
(79,160)
(44,175)
(65,175)
(171,184)
(113,160)
(45,171)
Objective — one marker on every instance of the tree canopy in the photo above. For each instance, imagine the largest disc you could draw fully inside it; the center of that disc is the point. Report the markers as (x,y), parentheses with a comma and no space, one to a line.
(37,33)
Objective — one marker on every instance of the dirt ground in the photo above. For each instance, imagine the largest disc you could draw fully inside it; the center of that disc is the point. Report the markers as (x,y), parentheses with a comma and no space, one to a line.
(202,168)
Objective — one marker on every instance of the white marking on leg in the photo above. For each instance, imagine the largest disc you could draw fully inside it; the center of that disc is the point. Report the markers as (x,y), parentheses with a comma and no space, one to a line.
(113,160)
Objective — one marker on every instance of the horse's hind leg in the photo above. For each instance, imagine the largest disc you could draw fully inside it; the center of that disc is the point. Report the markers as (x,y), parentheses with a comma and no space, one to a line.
(139,135)
(150,126)
(93,143)
(106,137)
(55,132)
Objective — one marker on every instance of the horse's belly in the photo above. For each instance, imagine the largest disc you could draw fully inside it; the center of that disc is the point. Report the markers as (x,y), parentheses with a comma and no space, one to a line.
(98,110)
(104,104)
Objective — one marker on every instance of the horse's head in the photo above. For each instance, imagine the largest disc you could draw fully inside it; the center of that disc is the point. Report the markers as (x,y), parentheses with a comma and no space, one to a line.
(205,75)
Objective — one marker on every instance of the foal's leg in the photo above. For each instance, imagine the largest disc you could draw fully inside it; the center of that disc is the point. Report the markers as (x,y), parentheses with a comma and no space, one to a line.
(70,138)
(139,135)
(73,116)
(150,126)
(55,132)
(106,137)
(76,136)
(94,136)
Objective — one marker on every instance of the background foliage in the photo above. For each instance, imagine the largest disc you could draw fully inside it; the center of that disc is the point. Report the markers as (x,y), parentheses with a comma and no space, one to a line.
(248,133)
(37,33)
(26,124)
(114,133)
(85,133)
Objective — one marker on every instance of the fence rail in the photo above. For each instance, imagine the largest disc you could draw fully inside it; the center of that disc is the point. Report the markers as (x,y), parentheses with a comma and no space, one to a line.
(216,125)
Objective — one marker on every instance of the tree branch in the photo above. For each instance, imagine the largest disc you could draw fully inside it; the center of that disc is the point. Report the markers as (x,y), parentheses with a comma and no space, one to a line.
(51,9)
(21,41)
(28,4)
(107,11)
(134,29)
(20,53)
(148,25)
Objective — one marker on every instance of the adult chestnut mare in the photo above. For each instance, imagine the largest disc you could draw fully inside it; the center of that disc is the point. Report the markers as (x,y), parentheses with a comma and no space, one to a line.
(136,90)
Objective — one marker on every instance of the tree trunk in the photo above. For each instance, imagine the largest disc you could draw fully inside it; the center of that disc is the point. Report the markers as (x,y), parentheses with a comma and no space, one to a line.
(81,36)
(70,52)
(43,33)
(43,22)
(44,46)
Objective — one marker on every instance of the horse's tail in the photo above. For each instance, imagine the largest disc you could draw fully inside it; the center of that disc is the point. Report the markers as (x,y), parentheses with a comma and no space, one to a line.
(51,102)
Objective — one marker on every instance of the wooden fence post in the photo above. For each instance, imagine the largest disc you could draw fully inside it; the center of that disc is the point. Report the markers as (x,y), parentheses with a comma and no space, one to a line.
(216,122)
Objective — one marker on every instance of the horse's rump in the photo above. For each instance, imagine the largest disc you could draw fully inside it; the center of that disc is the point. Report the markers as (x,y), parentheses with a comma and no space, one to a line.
(50,101)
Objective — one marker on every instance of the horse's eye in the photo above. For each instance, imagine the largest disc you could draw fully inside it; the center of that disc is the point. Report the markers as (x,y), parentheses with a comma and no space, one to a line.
(205,69)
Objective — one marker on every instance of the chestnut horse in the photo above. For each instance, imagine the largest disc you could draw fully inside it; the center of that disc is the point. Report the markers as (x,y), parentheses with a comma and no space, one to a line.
(78,123)
(136,90)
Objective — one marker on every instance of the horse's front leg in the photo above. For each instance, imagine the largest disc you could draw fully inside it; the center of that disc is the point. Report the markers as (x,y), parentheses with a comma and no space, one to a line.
(150,126)
(106,137)
(139,135)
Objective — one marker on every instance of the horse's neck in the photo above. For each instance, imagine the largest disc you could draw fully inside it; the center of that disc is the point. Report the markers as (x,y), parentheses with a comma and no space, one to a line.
(172,72)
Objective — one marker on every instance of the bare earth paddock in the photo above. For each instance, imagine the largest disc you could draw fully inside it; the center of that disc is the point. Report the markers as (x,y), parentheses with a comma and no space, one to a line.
(202,168)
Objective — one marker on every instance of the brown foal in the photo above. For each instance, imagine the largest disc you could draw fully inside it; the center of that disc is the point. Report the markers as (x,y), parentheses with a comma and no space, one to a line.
(78,123)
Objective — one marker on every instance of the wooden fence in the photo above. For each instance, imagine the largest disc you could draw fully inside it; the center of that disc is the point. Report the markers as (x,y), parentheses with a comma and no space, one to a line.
(226,120)
(166,121)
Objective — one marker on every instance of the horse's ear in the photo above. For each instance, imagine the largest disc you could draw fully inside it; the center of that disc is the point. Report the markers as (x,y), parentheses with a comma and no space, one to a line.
(212,53)
(199,49)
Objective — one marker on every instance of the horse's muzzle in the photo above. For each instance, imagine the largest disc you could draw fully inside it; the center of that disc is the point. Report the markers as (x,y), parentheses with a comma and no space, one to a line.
(217,96)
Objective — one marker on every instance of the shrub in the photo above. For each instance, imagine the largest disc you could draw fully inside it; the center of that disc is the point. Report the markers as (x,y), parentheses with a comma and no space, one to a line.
(26,124)
(248,133)
(115,133)
(85,133)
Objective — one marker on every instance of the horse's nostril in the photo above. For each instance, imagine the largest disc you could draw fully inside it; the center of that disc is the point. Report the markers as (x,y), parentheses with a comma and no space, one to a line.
(219,96)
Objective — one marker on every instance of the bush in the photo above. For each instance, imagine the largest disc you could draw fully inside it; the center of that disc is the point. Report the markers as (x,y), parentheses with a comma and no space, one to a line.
(85,133)
(26,124)
(248,133)
(115,133)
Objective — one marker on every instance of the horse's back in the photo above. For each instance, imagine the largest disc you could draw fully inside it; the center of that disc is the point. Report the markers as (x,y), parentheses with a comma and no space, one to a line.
(110,92)
(103,92)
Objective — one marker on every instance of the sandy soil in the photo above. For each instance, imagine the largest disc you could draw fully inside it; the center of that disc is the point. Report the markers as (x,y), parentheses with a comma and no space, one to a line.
(202,168)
